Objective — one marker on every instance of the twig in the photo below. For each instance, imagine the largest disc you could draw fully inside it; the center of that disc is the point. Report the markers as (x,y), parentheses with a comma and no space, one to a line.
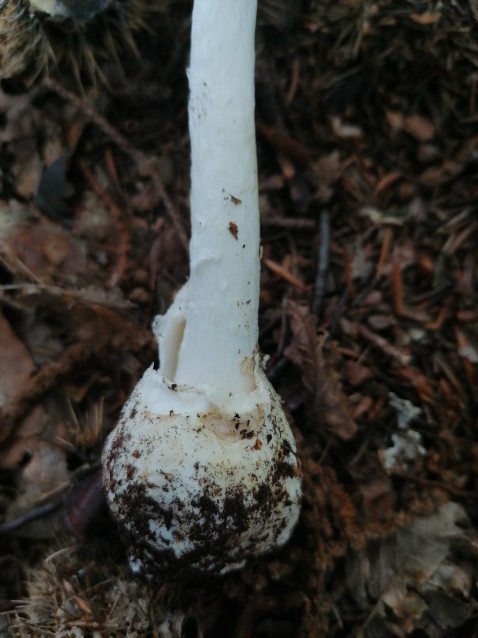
(289,223)
(41,511)
(384,251)
(323,264)
(397,286)
(123,243)
(283,142)
(455,491)
(284,274)
(403,358)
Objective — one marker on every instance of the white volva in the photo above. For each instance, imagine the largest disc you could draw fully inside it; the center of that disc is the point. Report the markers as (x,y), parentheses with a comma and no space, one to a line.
(201,471)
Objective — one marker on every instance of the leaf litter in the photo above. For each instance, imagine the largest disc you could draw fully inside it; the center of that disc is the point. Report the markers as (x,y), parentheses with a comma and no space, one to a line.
(367,136)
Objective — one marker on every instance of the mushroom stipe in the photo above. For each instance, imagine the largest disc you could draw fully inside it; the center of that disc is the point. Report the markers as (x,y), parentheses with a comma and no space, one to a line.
(201,472)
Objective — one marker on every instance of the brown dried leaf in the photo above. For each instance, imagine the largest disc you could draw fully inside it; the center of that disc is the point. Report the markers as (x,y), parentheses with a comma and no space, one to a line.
(46,473)
(301,349)
(17,365)
(381,321)
(419,127)
(394,119)
(329,405)
(409,572)
(328,168)
(416,379)
(43,249)
(15,371)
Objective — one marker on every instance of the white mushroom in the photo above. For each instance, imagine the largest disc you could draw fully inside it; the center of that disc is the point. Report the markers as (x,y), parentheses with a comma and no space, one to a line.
(201,471)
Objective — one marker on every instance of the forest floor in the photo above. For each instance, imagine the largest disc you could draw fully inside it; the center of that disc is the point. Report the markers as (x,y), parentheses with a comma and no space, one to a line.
(367,126)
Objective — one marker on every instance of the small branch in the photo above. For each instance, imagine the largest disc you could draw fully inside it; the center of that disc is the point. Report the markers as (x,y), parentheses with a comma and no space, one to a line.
(283,142)
(123,244)
(288,223)
(384,251)
(284,274)
(323,264)
(403,358)
(397,286)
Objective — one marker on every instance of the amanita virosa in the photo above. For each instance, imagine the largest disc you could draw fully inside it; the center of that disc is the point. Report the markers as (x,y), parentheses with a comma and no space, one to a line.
(201,471)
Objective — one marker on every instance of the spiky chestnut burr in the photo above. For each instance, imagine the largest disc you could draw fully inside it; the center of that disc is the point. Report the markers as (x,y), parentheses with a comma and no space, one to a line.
(77,36)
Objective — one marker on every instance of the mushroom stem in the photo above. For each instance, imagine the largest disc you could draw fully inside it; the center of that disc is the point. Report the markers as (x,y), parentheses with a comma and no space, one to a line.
(223,292)
(201,471)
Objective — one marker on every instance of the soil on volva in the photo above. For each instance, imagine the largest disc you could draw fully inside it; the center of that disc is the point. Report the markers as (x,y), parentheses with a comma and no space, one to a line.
(367,132)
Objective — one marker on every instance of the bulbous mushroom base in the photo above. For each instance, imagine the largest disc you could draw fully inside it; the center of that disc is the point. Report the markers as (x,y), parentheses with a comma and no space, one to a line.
(200,482)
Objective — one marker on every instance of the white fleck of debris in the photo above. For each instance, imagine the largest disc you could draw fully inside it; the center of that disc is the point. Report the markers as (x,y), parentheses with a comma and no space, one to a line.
(406,447)
(407,443)
(172,626)
(406,411)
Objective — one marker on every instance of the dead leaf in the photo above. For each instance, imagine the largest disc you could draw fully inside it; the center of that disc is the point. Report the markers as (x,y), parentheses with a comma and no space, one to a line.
(45,473)
(394,119)
(27,174)
(426,18)
(416,379)
(328,168)
(328,403)
(39,247)
(15,370)
(356,373)
(419,127)
(411,571)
